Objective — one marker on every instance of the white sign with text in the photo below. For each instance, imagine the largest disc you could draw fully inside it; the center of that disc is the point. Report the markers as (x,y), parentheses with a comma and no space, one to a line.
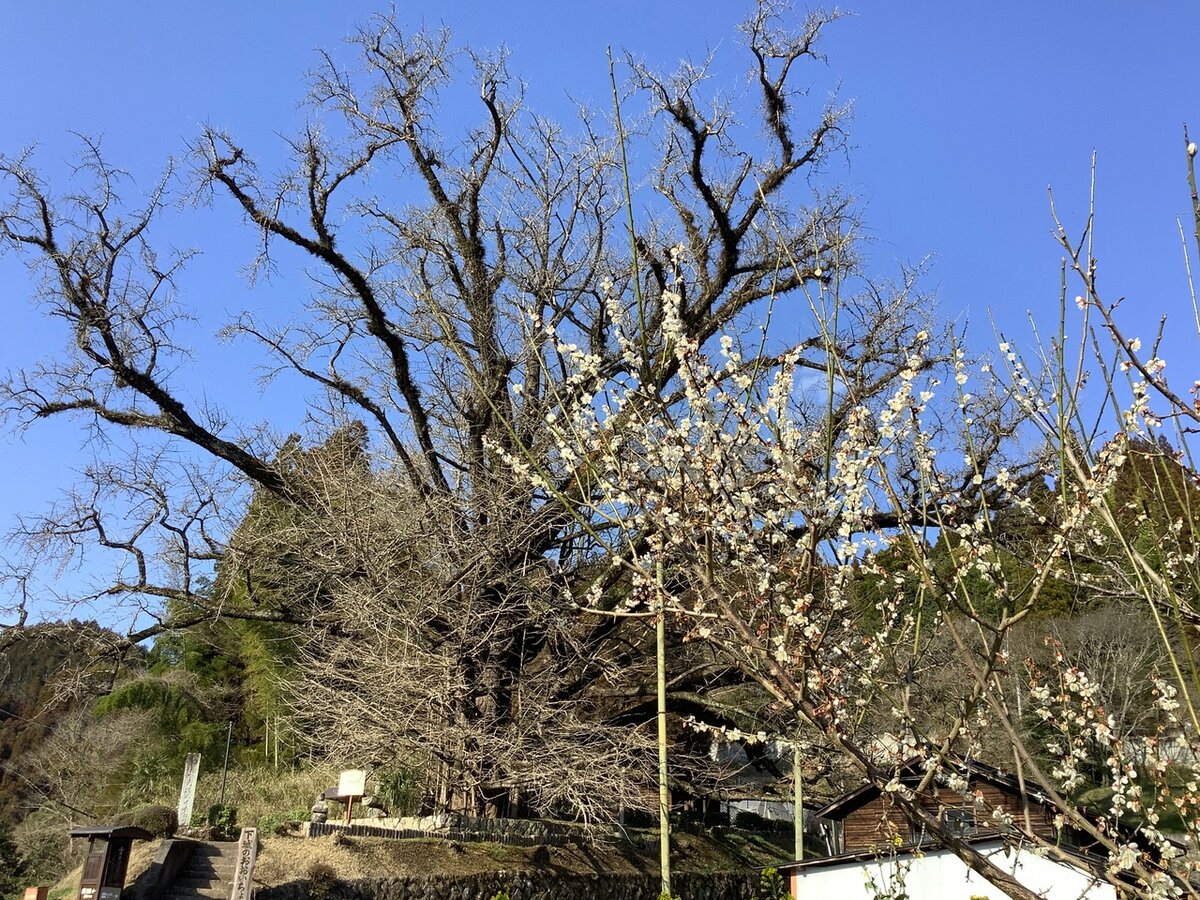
(352,783)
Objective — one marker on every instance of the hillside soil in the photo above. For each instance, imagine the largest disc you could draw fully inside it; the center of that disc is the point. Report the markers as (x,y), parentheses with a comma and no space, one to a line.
(286,858)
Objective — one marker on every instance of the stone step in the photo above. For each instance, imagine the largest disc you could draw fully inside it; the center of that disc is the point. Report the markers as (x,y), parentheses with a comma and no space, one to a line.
(207,875)
(201,884)
(212,861)
(185,881)
(198,853)
(209,871)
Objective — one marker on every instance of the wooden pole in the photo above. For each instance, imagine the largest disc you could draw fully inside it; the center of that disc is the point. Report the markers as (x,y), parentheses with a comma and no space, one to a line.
(798,796)
(664,793)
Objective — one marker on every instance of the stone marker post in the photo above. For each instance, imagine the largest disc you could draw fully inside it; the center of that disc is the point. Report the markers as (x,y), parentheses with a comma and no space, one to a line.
(187,792)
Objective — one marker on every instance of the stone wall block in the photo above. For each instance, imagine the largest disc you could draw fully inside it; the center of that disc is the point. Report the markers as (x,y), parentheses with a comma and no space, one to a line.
(530,886)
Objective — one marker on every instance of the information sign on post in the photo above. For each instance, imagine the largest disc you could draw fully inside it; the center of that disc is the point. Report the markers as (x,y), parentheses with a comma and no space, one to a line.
(351,784)
(187,793)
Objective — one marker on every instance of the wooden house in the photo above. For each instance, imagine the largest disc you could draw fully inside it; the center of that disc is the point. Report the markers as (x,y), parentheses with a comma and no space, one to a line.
(867,820)
(872,846)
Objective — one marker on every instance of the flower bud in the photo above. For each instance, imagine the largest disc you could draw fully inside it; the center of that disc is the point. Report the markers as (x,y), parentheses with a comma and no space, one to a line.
(1192,148)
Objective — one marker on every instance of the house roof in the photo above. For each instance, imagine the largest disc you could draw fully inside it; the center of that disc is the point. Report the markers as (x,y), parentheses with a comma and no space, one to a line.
(819,862)
(1083,853)
(911,771)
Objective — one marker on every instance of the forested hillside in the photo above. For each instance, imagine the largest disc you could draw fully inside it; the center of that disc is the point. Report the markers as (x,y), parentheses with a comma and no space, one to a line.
(47,672)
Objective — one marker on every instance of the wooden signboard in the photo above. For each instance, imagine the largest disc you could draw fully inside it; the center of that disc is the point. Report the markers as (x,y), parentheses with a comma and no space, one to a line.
(351,785)
(107,859)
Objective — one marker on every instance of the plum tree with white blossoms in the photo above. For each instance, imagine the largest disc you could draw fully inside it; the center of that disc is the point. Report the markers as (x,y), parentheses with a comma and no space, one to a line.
(740,506)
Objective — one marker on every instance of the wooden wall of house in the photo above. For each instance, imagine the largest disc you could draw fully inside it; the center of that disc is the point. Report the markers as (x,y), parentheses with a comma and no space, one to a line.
(876,824)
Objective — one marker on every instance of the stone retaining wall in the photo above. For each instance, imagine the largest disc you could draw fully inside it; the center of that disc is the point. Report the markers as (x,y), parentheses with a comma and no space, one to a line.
(517,832)
(528,886)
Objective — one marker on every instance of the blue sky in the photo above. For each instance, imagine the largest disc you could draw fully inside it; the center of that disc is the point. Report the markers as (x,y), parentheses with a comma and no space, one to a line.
(965,112)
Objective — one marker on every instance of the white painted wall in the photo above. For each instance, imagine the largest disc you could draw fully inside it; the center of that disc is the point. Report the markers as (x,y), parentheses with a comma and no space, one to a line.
(940,875)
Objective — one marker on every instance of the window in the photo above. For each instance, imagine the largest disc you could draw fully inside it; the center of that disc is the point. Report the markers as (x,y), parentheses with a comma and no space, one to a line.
(960,820)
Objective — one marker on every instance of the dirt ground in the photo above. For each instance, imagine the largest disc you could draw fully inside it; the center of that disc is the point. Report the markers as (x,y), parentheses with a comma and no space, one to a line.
(284,859)
(287,858)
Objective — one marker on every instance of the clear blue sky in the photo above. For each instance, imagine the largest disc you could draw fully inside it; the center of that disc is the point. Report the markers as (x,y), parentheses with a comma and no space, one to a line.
(965,113)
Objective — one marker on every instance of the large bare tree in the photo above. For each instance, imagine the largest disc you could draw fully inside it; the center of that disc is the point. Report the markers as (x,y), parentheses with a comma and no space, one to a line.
(462,289)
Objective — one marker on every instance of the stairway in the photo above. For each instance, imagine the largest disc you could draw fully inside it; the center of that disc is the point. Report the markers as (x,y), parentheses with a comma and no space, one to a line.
(207,875)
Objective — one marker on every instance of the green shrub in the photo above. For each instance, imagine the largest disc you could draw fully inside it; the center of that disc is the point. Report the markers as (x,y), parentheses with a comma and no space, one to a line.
(750,821)
(282,823)
(44,845)
(160,821)
(400,791)
(223,817)
(12,864)
(321,881)
(772,886)
(639,818)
